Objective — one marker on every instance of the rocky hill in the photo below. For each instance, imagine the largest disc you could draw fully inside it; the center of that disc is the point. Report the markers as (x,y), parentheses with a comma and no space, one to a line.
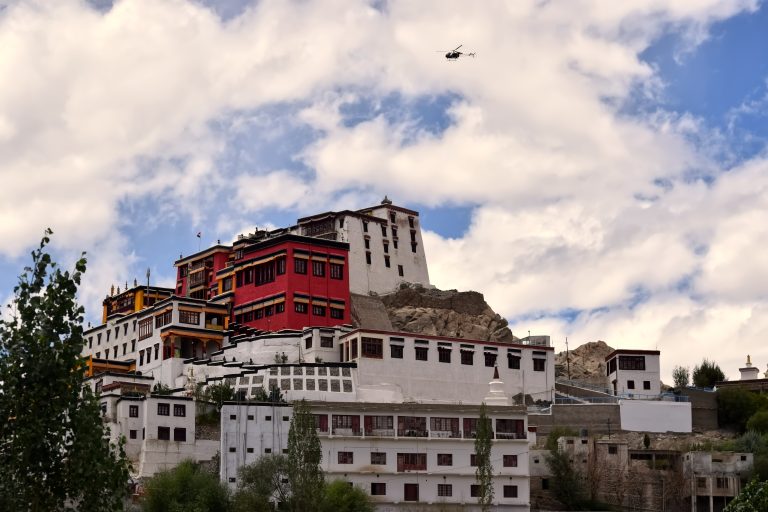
(431,311)
(587,362)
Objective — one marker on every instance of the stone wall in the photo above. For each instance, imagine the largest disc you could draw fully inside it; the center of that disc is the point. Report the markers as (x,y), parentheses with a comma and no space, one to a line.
(595,418)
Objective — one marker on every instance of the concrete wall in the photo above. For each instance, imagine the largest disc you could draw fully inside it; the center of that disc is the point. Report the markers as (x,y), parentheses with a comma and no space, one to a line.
(655,416)
(703,409)
(596,418)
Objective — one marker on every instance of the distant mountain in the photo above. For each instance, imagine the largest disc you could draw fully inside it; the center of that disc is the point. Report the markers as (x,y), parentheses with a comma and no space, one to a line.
(587,362)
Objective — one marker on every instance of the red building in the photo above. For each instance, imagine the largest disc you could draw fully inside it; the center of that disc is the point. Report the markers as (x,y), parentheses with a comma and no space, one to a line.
(273,281)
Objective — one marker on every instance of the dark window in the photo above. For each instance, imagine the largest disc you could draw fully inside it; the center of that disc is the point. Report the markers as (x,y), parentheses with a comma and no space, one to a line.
(164,433)
(445,459)
(189,317)
(318,268)
(180,434)
(490,359)
(132,434)
(368,258)
(396,351)
(630,384)
(513,361)
(163,409)
(510,461)
(308,342)
(157,350)
(133,345)
(444,490)
(473,460)
(269,310)
(280,265)
(337,271)
(318,310)
(474,490)
(365,226)
(510,491)
(337,313)
(280,307)
(383,230)
(378,489)
(90,342)
(300,307)
(400,270)
(179,410)
(265,273)
(98,336)
(373,347)
(413,246)
(444,354)
(378,458)
(145,328)
(386,262)
(226,284)
(631,362)
(267,450)
(646,384)
(467,356)
(613,449)
(410,492)
(410,221)
(326,341)
(125,348)
(232,449)
(249,450)
(386,246)
(538,365)
(300,265)
(346,457)
(422,353)
(133,411)
(545,483)
(367,243)
(163,319)
(392,217)
(411,462)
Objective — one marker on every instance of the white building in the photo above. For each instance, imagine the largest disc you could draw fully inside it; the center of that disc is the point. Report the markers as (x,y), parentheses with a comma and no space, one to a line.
(385,245)
(634,373)
(403,455)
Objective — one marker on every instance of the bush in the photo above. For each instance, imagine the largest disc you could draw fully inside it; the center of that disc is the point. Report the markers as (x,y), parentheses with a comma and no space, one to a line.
(734,407)
(681,377)
(707,373)
(758,422)
(556,434)
(186,487)
(339,496)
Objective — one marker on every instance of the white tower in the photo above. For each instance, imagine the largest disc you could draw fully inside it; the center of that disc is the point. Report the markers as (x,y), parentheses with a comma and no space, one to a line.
(749,372)
(496,394)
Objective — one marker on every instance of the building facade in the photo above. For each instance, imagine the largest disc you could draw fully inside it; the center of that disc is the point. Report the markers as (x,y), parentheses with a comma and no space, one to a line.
(634,372)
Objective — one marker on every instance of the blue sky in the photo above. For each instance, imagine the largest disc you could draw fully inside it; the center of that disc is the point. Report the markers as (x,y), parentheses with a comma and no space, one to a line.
(597,172)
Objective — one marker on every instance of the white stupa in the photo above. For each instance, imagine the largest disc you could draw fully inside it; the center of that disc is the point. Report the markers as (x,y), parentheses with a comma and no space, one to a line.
(496,394)
(749,372)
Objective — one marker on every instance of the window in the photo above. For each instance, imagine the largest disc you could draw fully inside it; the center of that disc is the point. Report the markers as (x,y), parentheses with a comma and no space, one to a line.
(308,342)
(114,352)
(232,449)
(365,226)
(180,434)
(411,462)
(444,490)
(226,284)
(383,230)
(378,458)
(445,459)
(510,461)
(413,246)
(318,268)
(346,457)
(265,273)
(164,433)
(490,359)
(392,217)
(249,450)
(474,490)
(410,222)
(373,348)
(179,410)
(721,483)
(701,483)
(367,243)
(630,384)
(280,265)
(125,348)
(90,342)
(421,353)
(473,460)
(132,434)
(386,246)
(396,351)
(513,361)
(368,257)
(410,492)
(300,266)
(98,337)
(189,317)
(510,491)
(337,313)
(133,411)
(538,365)
(467,356)
(145,328)
(400,270)
(444,354)
(631,362)
(646,384)
(300,307)
(280,307)
(337,271)
(386,261)
(157,350)
(133,345)
(163,409)
(149,354)
(613,449)
(378,489)
(108,333)
(318,310)
(326,341)
(162,319)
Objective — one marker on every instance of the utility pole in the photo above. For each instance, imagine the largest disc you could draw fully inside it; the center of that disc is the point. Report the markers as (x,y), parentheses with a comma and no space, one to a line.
(567,358)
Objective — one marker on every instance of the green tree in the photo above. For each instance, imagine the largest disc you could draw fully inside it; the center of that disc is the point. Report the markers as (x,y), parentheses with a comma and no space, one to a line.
(304,457)
(219,393)
(567,482)
(339,496)
(707,373)
(754,498)
(681,376)
(555,434)
(262,483)
(758,422)
(186,487)
(735,406)
(55,452)
(484,471)
(160,389)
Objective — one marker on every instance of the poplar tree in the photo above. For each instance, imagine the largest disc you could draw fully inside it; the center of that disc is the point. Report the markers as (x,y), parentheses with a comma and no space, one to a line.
(484,471)
(54,449)
(304,457)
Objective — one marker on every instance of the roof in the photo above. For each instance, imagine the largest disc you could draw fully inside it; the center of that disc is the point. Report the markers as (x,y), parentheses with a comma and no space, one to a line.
(204,252)
(446,338)
(628,352)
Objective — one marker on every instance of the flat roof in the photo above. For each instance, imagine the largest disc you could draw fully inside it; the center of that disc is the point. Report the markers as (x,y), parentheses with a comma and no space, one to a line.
(625,351)
(204,252)
(401,334)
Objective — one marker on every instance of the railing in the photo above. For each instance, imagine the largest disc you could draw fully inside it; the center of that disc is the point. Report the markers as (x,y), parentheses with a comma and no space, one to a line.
(347,432)
(584,385)
(380,432)
(586,400)
(214,327)
(445,434)
(511,435)
(412,433)
(663,397)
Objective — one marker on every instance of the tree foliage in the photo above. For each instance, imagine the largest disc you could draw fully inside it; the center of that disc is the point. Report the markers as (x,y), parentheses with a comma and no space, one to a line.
(339,496)
(54,449)
(184,488)
(735,406)
(567,482)
(219,393)
(261,484)
(484,471)
(681,376)
(758,422)
(304,457)
(753,498)
(707,373)
(555,434)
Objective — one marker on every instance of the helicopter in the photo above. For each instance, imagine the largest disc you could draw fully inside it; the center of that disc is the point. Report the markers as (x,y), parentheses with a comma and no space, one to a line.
(455,53)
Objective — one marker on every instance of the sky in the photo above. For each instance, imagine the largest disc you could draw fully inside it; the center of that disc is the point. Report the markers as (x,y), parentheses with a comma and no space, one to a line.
(598,170)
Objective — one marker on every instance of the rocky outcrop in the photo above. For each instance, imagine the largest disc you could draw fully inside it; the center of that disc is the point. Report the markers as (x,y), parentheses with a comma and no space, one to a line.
(436,312)
(587,362)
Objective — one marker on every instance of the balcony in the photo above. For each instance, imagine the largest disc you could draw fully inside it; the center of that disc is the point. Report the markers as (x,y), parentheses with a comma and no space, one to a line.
(511,435)
(412,433)
(347,432)
(445,434)
(380,432)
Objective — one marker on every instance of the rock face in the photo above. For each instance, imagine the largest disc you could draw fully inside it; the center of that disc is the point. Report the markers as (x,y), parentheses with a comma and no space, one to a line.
(587,363)
(452,313)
